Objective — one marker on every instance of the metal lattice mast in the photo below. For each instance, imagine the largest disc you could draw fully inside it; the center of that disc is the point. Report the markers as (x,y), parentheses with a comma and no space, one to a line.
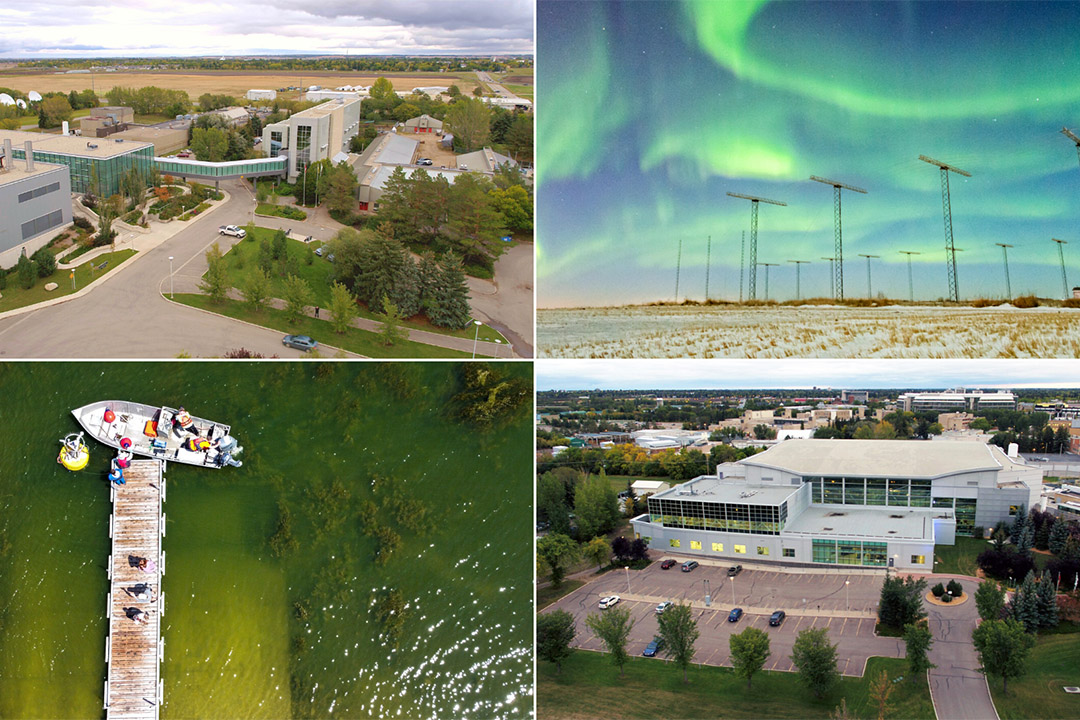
(910,285)
(798,283)
(869,287)
(1005,255)
(832,277)
(1061,257)
(708,261)
(754,201)
(742,263)
(1072,136)
(678,269)
(838,233)
(946,204)
(767,266)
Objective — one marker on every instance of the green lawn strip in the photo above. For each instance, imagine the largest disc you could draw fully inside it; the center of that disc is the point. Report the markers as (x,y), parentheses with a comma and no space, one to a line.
(590,686)
(354,340)
(281,211)
(522,91)
(549,594)
(152,119)
(1054,663)
(959,559)
(246,253)
(15,297)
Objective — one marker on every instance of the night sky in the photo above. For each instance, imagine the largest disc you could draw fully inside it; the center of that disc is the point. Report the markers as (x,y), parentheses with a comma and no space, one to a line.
(650,112)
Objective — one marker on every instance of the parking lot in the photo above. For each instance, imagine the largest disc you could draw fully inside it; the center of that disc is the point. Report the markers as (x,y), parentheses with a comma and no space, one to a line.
(810,599)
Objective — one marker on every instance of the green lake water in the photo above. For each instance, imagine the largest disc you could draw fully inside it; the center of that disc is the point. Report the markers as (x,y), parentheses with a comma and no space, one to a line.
(248,634)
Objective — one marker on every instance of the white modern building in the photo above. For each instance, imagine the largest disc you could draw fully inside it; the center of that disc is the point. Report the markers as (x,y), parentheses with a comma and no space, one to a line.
(959,400)
(870,503)
(318,133)
(35,200)
(320,95)
(262,94)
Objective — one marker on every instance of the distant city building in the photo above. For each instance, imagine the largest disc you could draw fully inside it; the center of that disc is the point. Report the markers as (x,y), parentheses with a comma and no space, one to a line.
(320,95)
(869,503)
(35,199)
(957,401)
(855,396)
(262,94)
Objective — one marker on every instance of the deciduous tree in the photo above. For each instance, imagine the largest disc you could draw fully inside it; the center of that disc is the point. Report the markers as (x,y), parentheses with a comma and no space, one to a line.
(558,552)
(596,506)
(342,308)
(391,333)
(257,289)
(210,144)
(216,281)
(297,296)
(815,659)
(1003,647)
(598,550)
(555,631)
(469,121)
(749,651)
(990,600)
(613,627)
(917,640)
(680,632)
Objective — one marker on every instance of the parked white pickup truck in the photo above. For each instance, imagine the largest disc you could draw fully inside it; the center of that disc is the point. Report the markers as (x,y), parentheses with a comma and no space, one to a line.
(231,230)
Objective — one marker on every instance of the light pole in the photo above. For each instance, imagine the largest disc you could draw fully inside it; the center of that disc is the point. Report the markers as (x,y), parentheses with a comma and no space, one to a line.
(832,275)
(318,174)
(847,592)
(627,569)
(732,581)
(708,598)
(475,337)
(798,265)
(170,278)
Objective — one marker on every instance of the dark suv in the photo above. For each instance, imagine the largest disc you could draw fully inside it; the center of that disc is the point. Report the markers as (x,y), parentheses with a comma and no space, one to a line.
(734,570)
(776,618)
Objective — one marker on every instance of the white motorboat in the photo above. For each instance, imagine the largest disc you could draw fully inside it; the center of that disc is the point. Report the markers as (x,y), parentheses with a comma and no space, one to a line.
(159,432)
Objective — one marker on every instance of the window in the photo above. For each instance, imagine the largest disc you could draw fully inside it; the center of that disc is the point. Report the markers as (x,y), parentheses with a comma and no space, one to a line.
(41,224)
(38,192)
(789,552)
(824,551)
(762,550)
(740,549)
(875,491)
(675,543)
(815,488)
(875,554)
(920,493)
(718,547)
(834,491)
(943,502)
(965,516)
(918,559)
(303,146)
(849,552)
(898,493)
(1013,509)
(695,544)
(854,491)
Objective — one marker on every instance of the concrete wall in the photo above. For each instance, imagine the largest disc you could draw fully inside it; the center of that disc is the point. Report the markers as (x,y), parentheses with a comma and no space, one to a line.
(14,213)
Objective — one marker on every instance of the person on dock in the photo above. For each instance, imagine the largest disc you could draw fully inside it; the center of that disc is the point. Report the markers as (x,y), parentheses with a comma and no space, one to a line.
(138,616)
(140,592)
(147,566)
(116,473)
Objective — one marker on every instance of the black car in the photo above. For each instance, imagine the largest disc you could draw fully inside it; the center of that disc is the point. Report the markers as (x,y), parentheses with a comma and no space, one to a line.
(776,618)
(667,564)
(734,570)
(734,615)
(655,646)
(689,565)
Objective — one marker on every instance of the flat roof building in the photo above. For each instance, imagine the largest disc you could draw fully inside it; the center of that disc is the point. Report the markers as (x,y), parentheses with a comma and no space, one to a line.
(485,161)
(872,503)
(35,199)
(957,401)
(107,159)
(318,133)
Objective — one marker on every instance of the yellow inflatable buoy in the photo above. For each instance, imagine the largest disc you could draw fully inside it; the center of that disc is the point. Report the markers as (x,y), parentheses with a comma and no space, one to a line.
(74,455)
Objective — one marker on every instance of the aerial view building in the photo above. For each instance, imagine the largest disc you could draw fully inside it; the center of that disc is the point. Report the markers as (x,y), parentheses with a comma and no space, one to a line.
(318,133)
(35,198)
(957,400)
(876,503)
(87,159)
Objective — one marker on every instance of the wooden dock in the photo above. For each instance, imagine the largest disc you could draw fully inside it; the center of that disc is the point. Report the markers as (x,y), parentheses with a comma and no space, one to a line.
(133,651)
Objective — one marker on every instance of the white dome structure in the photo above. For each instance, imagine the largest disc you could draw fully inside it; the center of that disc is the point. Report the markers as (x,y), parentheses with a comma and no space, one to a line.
(6,99)
(21,103)
(34,96)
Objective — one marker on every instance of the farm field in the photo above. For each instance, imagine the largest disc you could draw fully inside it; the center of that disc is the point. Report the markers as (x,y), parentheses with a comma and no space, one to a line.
(809,331)
(228,83)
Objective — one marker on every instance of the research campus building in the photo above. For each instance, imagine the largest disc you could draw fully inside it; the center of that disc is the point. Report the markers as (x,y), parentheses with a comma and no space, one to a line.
(864,503)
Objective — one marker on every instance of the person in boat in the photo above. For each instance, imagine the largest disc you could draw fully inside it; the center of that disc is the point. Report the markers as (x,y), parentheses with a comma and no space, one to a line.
(147,566)
(197,444)
(185,421)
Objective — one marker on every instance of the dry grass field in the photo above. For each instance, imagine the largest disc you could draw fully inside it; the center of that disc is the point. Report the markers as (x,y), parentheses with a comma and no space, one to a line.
(809,331)
(228,83)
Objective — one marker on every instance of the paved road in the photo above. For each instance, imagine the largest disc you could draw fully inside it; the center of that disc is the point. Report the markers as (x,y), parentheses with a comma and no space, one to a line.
(959,690)
(493,86)
(758,592)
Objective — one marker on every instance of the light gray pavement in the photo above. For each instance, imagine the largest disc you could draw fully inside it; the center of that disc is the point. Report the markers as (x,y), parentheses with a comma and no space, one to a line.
(810,599)
(957,687)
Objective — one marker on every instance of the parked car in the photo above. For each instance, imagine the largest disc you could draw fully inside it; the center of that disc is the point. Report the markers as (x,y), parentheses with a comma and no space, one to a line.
(689,565)
(318,251)
(734,615)
(423,161)
(232,230)
(776,618)
(655,646)
(667,564)
(663,606)
(300,342)
(606,602)
(734,570)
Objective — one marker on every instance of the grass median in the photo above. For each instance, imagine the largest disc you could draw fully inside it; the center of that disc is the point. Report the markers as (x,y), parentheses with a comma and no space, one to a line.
(1054,664)
(354,340)
(590,686)
(15,297)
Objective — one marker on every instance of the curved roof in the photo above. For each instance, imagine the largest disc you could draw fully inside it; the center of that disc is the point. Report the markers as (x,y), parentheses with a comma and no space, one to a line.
(878,458)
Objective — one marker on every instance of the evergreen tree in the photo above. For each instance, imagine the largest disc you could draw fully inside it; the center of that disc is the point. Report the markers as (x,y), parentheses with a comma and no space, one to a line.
(1046,602)
(1025,604)
(1027,539)
(428,274)
(1059,533)
(1042,535)
(475,226)
(25,270)
(917,640)
(901,601)
(450,308)
(1018,525)
(406,293)
(381,264)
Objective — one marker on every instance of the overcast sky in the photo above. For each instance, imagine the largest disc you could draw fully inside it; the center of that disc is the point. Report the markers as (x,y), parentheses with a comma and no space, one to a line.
(782,374)
(151,28)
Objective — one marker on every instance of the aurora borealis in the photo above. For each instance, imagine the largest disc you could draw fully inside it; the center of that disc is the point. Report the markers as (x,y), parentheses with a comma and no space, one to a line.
(650,112)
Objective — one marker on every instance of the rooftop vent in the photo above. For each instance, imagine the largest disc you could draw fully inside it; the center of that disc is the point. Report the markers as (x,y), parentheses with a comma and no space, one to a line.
(892,532)
(899,517)
(835,514)
(826,529)
(92,146)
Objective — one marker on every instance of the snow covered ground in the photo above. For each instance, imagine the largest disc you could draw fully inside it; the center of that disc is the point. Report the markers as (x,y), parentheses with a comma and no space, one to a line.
(817,331)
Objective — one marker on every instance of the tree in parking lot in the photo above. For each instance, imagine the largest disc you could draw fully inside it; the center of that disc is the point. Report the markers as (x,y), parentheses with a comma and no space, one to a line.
(901,601)
(1003,647)
(558,552)
(815,658)
(613,627)
(598,550)
(680,632)
(749,651)
(917,640)
(554,633)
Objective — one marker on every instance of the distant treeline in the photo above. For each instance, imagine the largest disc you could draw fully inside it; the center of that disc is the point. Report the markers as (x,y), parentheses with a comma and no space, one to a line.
(335,64)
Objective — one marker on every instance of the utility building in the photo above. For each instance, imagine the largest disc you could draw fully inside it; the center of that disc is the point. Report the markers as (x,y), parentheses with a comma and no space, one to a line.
(35,199)
(872,503)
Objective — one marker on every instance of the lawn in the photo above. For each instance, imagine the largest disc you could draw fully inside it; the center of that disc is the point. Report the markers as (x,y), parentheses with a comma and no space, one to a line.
(590,687)
(522,91)
(1053,664)
(283,211)
(354,340)
(15,297)
(242,263)
(153,119)
(549,594)
(959,559)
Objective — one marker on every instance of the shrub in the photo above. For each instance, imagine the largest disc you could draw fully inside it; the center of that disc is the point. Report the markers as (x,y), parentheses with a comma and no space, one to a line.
(938,590)
(3,279)
(955,588)
(1026,301)
(45,262)
(82,223)
(89,201)
(980,532)
(133,217)
(946,598)
(985,302)
(1071,303)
